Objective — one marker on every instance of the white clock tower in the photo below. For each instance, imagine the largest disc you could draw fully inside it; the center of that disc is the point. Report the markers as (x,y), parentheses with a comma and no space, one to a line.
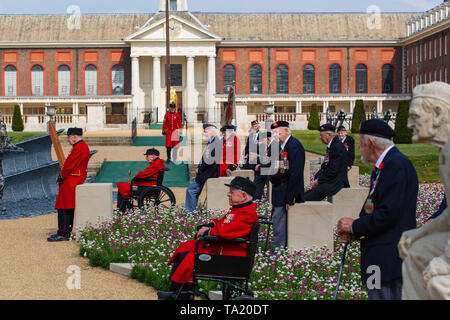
(174,5)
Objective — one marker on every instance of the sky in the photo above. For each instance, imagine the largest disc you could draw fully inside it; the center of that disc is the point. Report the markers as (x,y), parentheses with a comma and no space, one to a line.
(248,6)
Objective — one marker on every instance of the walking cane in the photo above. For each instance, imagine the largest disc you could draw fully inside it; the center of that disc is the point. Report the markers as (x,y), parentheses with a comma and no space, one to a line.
(340,270)
(268,230)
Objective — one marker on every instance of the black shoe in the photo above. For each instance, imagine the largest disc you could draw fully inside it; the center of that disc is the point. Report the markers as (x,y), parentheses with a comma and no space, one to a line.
(163,295)
(57,238)
(53,235)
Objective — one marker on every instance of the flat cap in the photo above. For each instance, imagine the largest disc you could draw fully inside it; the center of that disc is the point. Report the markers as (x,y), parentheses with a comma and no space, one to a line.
(327,127)
(377,128)
(75,131)
(243,184)
(279,124)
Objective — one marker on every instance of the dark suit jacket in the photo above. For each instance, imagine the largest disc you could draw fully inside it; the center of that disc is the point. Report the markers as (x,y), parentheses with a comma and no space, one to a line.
(394,212)
(349,144)
(291,189)
(209,166)
(254,147)
(332,176)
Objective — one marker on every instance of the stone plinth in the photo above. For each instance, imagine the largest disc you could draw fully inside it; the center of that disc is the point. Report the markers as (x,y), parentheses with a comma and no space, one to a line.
(244,173)
(121,268)
(307,173)
(310,224)
(216,193)
(348,202)
(93,204)
(353,176)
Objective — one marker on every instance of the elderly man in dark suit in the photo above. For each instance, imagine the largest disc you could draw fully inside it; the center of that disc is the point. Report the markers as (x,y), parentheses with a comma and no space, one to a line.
(287,183)
(208,167)
(251,147)
(390,209)
(332,176)
(349,144)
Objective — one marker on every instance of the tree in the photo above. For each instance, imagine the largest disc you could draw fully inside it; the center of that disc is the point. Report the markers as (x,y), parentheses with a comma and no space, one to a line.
(314,122)
(17,121)
(403,133)
(359,115)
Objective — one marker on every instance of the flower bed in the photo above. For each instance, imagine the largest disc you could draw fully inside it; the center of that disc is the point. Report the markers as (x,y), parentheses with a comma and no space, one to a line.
(148,237)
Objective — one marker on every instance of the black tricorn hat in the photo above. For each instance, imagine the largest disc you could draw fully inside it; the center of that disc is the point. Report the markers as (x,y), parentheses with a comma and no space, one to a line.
(172,105)
(225,128)
(75,131)
(243,184)
(152,151)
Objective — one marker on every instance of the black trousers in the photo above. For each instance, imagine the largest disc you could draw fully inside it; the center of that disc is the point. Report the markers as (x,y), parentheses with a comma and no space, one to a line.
(260,182)
(65,222)
(314,195)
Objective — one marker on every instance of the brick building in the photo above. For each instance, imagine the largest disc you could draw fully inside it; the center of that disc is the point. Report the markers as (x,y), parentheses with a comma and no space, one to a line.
(102,71)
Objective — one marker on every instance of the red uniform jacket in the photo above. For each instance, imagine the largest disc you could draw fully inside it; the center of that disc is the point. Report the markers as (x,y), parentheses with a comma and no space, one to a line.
(151,172)
(231,154)
(74,172)
(171,125)
(237,223)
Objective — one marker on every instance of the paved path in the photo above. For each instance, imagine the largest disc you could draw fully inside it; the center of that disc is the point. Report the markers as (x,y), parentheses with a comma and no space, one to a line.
(32,268)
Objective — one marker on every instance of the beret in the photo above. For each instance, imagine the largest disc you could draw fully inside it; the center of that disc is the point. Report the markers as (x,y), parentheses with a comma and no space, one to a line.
(243,184)
(327,127)
(377,128)
(279,124)
(75,131)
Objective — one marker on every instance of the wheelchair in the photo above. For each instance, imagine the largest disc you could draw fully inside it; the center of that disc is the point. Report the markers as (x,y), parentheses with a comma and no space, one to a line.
(154,196)
(232,271)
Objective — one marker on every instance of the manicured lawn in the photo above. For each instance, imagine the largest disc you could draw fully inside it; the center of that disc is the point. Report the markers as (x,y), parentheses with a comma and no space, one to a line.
(424,157)
(20,136)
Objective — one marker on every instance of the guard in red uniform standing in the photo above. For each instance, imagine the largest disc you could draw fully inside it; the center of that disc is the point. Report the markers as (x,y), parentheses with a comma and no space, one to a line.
(171,127)
(73,173)
(231,152)
(156,164)
(237,223)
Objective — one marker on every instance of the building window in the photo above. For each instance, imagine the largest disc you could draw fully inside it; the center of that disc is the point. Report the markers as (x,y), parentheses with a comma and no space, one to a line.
(282,79)
(118,80)
(37,80)
(255,79)
(228,76)
(309,79)
(387,78)
(335,78)
(173,5)
(361,78)
(64,80)
(176,75)
(90,80)
(10,81)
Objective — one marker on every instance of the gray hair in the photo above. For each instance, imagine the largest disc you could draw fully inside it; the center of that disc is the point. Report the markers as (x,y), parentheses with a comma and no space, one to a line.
(381,143)
(249,197)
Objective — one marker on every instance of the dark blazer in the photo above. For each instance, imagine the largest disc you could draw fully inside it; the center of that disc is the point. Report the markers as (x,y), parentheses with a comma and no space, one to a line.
(288,188)
(332,175)
(349,144)
(209,166)
(394,212)
(250,140)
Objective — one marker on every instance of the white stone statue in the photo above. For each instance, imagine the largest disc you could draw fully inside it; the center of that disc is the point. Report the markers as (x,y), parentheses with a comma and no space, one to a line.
(426,251)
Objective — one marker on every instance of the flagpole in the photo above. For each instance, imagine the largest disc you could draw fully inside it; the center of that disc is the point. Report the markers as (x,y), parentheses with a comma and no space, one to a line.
(167,56)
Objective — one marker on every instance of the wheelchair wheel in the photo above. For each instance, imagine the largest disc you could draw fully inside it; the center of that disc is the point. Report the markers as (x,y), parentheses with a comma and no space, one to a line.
(157,196)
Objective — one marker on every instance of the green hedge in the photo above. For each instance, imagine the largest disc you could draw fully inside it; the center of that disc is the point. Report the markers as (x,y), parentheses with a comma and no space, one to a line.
(359,115)
(314,121)
(17,121)
(403,133)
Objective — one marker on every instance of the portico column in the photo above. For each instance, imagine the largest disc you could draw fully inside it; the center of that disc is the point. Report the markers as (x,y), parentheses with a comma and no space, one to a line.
(212,89)
(298,107)
(135,85)
(157,108)
(379,106)
(190,89)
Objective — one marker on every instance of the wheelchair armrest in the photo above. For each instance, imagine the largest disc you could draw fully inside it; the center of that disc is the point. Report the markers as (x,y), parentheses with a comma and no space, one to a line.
(143,179)
(214,239)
